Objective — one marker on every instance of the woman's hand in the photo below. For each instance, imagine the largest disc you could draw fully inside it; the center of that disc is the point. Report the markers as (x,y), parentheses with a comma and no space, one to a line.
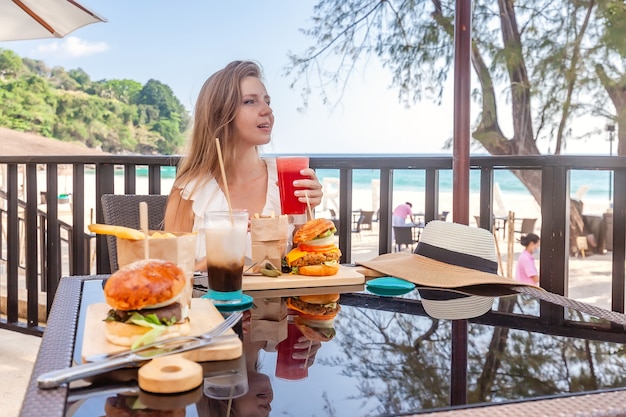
(312,188)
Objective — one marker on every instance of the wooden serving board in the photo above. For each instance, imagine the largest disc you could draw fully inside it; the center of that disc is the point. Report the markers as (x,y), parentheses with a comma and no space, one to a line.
(345,276)
(203,316)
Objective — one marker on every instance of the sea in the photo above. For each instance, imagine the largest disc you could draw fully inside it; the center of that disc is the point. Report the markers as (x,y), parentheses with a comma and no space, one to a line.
(597,183)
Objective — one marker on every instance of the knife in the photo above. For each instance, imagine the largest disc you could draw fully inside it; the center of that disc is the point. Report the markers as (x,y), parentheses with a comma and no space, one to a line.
(53,379)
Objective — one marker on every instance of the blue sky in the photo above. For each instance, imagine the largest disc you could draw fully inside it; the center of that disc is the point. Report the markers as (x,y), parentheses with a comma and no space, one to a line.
(181,43)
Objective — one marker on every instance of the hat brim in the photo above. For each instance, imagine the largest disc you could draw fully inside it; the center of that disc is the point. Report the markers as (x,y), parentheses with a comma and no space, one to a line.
(451,305)
(421,270)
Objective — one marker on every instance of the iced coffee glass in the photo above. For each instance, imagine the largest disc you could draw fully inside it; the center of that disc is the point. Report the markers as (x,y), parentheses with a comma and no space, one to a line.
(225,252)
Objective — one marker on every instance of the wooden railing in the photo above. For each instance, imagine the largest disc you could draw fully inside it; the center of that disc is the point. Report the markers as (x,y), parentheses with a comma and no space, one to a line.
(35,237)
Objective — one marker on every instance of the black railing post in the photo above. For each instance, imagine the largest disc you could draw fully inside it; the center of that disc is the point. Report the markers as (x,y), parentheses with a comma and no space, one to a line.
(555,223)
(486,198)
(345,214)
(619,240)
(154,179)
(431,191)
(385,210)
(77,264)
(105,184)
(13,243)
(31,247)
(53,243)
(130,179)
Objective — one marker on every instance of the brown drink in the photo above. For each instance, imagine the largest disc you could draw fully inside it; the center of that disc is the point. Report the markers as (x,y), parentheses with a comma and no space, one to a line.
(226,245)
(225,279)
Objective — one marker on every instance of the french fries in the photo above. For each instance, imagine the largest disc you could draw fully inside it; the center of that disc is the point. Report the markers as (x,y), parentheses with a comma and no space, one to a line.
(162,235)
(125,232)
(118,231)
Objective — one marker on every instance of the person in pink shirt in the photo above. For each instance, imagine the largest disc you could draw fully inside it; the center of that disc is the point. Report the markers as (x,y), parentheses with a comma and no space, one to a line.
(526,270)
(400,214)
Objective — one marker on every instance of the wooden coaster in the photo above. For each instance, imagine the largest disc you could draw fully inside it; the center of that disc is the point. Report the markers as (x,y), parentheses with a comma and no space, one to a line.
(170,374)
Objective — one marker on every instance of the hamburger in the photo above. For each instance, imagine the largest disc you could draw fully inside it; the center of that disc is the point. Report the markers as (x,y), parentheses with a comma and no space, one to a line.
(145,297)
(131,406)
(315,252)
(316,315)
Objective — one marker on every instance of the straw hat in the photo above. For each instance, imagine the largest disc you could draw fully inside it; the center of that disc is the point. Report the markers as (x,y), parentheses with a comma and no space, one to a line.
(448,256)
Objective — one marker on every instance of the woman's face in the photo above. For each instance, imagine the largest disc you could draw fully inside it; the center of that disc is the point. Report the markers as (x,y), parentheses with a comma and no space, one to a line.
(256,402)
(254,118)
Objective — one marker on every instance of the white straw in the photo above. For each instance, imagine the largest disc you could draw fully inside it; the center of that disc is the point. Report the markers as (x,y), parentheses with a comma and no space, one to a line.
(308,204)
(225,183)
(143,223)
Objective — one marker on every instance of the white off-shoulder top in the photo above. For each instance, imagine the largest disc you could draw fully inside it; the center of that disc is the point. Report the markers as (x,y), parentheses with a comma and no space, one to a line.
(210,197)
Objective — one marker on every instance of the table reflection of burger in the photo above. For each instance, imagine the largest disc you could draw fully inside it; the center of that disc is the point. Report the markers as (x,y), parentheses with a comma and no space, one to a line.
(315,315)
(315,252)
(132,406)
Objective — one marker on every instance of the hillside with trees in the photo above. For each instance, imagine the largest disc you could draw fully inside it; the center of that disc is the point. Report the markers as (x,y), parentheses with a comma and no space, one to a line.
(113,115)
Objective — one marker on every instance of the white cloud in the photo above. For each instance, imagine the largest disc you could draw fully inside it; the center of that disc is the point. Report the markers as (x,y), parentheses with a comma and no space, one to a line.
(72,47)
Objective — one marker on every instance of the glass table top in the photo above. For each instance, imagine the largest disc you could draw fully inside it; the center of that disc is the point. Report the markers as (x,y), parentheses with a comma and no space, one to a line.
(383,356)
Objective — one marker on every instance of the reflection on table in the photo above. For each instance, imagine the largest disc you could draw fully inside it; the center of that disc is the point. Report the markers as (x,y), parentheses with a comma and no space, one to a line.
(384,342)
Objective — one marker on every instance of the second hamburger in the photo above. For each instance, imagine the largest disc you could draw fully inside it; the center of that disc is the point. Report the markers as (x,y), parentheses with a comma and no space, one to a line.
(315,252)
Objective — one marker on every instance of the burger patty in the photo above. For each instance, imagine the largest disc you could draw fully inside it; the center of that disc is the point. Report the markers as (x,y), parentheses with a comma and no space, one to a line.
(314,309)
(316,258)
(170,313)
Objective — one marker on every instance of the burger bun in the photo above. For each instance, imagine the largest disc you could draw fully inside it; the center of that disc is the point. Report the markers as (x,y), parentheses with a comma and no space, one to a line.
(148,283)
(312,229)
(319,270)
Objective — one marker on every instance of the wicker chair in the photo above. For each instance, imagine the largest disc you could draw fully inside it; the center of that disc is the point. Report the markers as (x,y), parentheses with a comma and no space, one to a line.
(123,210)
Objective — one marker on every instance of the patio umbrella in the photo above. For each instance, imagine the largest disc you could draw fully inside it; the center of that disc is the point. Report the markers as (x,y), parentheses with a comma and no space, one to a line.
(36,19)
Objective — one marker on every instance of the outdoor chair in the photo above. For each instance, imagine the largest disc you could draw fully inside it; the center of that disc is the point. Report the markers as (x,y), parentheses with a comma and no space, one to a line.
(358,225)
(123,210)
(368,218)
(403,236)
(527,226)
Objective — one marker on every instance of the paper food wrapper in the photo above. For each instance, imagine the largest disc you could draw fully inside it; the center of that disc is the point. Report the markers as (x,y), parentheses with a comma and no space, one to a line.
(269,322)
(180,250)
(269,240)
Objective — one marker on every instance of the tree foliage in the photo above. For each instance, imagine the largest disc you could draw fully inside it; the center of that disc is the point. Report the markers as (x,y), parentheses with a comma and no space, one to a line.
(115,115)
(402,362)
(539,61)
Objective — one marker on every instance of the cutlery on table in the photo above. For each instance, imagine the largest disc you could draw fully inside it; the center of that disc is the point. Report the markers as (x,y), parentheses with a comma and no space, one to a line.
(138,356)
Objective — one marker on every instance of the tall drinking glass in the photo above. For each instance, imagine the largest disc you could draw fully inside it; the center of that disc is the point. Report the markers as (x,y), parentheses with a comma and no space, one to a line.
(288,367)
(289,168)
(225,252)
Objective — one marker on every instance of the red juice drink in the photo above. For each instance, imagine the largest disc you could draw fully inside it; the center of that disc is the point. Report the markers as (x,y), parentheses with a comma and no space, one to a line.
(289,168)
(286,366)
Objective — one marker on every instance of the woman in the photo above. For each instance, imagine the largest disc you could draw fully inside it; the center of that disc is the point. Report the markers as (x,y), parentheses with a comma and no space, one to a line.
(233,105)
(526,270)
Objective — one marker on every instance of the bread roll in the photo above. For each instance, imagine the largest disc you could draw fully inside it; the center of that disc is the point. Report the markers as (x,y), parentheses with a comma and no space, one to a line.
(143,284)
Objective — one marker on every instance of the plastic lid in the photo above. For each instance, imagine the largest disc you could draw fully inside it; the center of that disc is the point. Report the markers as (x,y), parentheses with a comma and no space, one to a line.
(244,304)
(389,286)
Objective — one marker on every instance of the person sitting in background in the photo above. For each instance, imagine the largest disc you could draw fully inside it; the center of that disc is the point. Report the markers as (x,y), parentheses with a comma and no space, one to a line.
(526,271)
(401,213)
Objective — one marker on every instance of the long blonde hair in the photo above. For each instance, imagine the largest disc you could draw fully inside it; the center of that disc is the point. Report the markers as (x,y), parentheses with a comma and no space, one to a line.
(214,113)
